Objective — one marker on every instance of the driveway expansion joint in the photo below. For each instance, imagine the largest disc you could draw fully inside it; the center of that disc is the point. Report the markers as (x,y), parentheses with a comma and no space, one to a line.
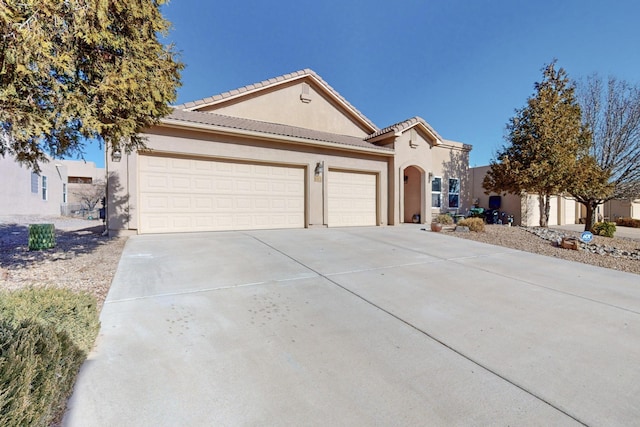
(426,334)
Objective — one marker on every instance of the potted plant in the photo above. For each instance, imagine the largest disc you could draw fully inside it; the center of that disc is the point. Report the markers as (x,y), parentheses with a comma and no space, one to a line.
(440,221)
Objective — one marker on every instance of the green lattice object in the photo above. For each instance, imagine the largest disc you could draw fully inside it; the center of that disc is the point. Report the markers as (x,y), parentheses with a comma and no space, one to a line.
(41,236)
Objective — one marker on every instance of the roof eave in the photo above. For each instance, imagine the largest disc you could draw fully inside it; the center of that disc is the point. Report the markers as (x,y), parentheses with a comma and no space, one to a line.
(395,132)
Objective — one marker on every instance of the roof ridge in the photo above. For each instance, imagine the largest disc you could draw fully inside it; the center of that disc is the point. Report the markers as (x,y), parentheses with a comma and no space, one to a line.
(273,81)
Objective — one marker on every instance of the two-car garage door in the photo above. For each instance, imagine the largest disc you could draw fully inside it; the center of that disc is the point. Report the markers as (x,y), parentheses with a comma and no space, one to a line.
(181,195)
(190,195)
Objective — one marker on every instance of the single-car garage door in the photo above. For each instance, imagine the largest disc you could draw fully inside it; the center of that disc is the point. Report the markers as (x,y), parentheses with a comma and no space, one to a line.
(352,198)
(182,195)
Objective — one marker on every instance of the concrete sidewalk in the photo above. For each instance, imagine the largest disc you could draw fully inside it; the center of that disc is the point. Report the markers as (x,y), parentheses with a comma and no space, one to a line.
(359,326)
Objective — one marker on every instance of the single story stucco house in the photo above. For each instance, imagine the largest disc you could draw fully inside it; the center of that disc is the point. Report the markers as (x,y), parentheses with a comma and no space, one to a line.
(24,192)
(288,152)
(52,192)
(564,210)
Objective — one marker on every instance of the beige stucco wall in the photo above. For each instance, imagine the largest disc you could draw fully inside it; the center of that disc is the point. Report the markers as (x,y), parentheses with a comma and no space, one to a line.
(81,168)
(123,175)
(417,149)
(16,197)
(283,105)
(622,208)
(412,149)
(451,160)
(511,204)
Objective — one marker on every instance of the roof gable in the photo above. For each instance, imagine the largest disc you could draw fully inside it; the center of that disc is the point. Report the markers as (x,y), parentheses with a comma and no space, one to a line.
(300,99)
(398,129)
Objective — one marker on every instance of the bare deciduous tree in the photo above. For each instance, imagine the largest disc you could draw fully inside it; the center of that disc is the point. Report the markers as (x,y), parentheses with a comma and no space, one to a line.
(611,111)
(91,194)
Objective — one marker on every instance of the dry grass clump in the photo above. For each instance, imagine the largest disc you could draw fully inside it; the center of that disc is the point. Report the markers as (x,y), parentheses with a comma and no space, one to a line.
(474,224)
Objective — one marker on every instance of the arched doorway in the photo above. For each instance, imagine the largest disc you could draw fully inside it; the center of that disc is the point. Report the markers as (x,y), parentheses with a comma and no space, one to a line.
(412,194)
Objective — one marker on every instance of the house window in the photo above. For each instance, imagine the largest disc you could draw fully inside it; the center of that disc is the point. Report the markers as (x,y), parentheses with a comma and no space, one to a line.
(44,188)
(80,180)
(454,193)
(436,192)
(34,183)
(64,193)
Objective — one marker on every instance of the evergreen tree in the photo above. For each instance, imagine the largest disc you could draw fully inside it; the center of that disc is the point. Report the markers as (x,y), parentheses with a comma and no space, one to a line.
(544,140)
(77,69)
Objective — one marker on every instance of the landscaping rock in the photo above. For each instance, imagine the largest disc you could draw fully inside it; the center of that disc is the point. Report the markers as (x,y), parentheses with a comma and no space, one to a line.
(570,243)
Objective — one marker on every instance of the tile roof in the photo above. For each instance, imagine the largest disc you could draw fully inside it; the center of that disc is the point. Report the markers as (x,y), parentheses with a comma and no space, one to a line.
(192,105)
(404,125)
(219,120)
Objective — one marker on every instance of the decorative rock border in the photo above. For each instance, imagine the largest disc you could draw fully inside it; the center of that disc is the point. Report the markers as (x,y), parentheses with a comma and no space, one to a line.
(556,236)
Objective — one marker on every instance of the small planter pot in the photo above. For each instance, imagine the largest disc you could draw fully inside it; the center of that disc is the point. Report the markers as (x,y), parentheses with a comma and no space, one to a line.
(435,226)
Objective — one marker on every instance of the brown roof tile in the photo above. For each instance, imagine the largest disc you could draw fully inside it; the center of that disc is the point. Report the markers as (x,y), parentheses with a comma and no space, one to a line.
(404,125)
(219,120)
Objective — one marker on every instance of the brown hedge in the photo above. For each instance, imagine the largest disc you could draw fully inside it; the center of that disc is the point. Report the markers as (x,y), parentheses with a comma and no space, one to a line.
(628,222)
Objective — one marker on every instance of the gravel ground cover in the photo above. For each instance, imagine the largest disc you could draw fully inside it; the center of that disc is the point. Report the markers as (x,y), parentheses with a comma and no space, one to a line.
(616,253)
(85,260)
(82,260)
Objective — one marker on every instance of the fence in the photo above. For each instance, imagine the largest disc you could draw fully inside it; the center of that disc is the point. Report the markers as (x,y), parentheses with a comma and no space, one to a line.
(79,211)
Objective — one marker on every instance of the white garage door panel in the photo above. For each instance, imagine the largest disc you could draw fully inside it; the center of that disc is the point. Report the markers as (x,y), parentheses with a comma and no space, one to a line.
(179,195)
(352,199)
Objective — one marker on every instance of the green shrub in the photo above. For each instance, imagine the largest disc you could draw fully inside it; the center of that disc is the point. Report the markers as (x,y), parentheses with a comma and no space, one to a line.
(606,229)
(76,314)
(628,222)
(38,367)
(474,224)
(444,219)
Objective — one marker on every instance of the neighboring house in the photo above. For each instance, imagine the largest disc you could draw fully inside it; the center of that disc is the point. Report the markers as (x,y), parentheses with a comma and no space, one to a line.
(629,208)
(526,208)
(82,176)
(23,192)
(289,152)
(564,209)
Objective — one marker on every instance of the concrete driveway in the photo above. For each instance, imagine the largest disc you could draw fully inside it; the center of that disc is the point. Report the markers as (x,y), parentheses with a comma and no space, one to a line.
(359,326)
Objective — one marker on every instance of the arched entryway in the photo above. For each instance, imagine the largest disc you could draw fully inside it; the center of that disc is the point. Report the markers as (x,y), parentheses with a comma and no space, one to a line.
(412,189)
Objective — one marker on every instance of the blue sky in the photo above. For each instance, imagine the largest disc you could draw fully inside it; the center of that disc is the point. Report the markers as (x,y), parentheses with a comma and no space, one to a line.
(462,65)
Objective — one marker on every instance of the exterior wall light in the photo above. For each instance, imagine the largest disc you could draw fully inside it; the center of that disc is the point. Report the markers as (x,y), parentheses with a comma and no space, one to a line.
(116,155)
(319,168)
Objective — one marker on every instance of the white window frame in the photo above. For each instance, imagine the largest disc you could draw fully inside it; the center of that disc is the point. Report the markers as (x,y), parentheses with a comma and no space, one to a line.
(451,193)
(438,193)
(45,191)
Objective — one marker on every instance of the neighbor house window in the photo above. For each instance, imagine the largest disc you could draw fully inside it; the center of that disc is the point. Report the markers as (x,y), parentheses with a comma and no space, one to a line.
(64,193)
(80,180)
(44,188)
(454,193)
(34,183)
(436,192)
